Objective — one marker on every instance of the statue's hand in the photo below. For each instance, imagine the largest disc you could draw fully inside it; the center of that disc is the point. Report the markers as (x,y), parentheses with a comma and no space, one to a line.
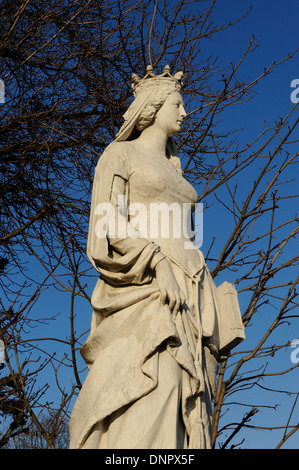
(168,286)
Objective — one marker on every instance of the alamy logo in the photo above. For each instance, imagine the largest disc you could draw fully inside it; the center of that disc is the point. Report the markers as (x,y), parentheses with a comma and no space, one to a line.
(2,92)
(295,93)
(157,220)
(295,353)
(2,352)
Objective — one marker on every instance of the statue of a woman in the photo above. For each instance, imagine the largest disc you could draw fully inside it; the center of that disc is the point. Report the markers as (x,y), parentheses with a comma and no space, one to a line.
(152,349)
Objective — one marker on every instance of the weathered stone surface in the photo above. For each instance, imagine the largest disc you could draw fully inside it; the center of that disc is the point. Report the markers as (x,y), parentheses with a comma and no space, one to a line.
(157,314)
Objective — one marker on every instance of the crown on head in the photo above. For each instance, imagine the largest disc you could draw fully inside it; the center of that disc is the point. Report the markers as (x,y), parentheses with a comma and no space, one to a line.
(151,80)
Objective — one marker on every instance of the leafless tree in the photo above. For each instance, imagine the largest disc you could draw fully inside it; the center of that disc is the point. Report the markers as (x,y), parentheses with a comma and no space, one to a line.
(67,68)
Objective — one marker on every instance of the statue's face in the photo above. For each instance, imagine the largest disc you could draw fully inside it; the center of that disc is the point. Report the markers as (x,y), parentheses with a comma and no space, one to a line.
(171,114)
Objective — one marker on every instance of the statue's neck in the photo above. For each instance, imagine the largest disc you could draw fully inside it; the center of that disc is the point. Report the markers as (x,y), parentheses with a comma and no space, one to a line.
(154,140)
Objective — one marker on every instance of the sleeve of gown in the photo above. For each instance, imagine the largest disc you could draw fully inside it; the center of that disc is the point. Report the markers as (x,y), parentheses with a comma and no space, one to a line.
(117,256)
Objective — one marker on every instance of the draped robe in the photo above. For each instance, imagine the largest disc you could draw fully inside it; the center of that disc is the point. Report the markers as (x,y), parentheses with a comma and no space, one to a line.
(131,327)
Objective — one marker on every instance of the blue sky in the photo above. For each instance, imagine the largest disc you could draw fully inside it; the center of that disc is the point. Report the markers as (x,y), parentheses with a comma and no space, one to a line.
(275,27)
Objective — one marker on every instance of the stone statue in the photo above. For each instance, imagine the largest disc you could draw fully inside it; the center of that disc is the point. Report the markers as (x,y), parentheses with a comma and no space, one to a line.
(157,330)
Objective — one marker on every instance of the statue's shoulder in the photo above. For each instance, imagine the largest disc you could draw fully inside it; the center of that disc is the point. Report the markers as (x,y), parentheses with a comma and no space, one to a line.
(116,157)
(117,152)
(119,148)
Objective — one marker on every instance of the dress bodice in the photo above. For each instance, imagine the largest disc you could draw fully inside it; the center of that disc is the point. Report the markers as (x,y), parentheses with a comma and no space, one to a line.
(160,202)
